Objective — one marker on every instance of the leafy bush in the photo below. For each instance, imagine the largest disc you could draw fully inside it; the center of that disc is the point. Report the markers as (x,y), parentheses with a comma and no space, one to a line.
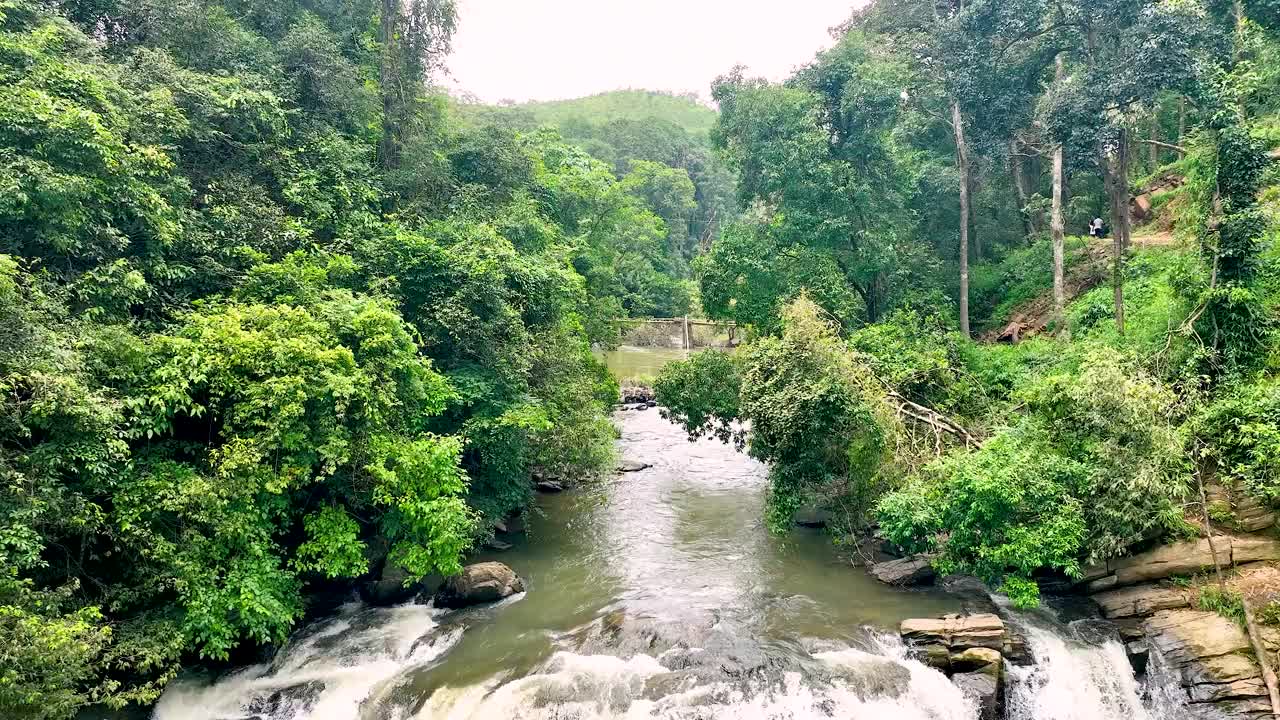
(807,405)
(1094,466)
(1241,434)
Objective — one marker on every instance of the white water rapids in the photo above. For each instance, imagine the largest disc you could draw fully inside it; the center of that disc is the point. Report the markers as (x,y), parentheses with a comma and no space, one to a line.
(661,596)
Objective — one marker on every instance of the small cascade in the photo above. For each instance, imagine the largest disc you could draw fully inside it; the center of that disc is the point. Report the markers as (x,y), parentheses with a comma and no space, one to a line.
(847,683)
(1083,674)
(329,670)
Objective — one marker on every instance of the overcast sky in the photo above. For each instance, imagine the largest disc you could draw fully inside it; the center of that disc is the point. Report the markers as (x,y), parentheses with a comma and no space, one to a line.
(555,49)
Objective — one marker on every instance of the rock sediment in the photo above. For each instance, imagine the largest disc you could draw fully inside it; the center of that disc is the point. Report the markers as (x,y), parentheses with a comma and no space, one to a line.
(1186,558)
(1210,654)
(914,570)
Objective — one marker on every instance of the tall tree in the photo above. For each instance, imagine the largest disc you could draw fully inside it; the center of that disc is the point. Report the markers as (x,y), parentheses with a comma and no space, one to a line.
(415,37)
(1128,52)
(1057,224)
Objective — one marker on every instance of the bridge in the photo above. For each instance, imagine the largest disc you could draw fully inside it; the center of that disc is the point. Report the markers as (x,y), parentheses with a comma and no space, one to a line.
(684,332)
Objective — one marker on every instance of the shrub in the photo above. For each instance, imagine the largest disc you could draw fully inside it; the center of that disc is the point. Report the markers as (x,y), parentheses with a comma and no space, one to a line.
(1241,434)
(1092,467)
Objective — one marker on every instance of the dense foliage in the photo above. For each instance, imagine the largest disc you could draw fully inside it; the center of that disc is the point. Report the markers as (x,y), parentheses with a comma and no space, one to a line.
(275,323)
(916,179)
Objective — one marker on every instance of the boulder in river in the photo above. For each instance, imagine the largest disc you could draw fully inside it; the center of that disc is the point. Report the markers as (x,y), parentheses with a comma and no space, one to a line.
(391,587)
(914,570)
(984,690)
(636,394)
(968,648)
(479,583)
(630,466)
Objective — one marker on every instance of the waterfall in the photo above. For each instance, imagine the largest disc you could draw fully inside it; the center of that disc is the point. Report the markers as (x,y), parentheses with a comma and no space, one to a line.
(1080,674)
(360,666)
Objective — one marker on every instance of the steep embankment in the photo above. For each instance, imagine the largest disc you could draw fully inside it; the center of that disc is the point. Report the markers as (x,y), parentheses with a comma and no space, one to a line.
(1089,268)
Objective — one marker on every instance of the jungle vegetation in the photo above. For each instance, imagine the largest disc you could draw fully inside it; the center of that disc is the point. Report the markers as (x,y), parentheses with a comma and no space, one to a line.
(939,357)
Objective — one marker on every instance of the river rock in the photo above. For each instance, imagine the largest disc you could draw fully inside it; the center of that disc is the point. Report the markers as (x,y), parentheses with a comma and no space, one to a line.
(631,466)
(977,659)
(479,583)
(936,655)
(390,588)
(984,690)
(956,632)
(1141,600)
(914,570)
(1017,651)
(1214,662)
(636,394)
(1139,654)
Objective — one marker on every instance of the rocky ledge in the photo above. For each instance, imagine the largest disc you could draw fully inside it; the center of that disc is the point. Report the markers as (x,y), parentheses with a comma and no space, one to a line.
(1185,558)
(1210,655)
(971,650)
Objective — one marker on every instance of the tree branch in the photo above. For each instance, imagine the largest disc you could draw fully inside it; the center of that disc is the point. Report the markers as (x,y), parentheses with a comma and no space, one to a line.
(1167,146)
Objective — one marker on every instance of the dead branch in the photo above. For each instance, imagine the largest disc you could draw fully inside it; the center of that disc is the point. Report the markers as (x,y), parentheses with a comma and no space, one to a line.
(932,418)
(1167,146)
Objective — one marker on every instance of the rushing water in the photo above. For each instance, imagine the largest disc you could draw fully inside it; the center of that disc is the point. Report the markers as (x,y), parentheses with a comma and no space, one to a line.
(657,595)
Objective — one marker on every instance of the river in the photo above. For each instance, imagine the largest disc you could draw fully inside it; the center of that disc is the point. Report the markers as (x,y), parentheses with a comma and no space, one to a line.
(659,594)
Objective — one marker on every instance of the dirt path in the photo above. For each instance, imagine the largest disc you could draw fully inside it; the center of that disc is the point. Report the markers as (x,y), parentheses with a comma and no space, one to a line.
(1033,317)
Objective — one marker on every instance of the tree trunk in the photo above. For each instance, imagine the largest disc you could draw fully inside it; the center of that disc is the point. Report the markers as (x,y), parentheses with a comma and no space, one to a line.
(1058,227)
(1153,150)
(1115,177)
(962,163)
(1182,119)
(388,149)
(1020,187)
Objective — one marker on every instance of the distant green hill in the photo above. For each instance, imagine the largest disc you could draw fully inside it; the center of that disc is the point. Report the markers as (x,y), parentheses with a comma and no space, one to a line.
(684,111)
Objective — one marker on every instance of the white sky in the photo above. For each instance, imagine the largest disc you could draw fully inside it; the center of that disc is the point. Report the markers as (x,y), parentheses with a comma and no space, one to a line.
(555,49)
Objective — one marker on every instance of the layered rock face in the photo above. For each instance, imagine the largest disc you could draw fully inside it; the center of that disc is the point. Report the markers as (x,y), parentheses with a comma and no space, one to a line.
(1210,654)
(1187,558)
(971,650)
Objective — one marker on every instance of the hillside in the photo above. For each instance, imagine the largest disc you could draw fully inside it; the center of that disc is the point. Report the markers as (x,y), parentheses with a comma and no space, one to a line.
(683,111)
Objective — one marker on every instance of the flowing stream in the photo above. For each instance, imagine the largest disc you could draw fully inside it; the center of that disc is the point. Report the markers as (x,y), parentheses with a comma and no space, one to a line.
(659,595)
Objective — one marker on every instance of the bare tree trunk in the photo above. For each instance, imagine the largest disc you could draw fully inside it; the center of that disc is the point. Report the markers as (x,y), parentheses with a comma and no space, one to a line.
(1115,176)
(962,163)
(1058,228)
(1182,119)
(1020,187)
(1153,149)
(387,80)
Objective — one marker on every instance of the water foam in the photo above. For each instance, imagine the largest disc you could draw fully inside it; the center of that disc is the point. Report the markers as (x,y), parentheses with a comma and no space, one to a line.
(857,685)
(1074,679)
(327,672)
